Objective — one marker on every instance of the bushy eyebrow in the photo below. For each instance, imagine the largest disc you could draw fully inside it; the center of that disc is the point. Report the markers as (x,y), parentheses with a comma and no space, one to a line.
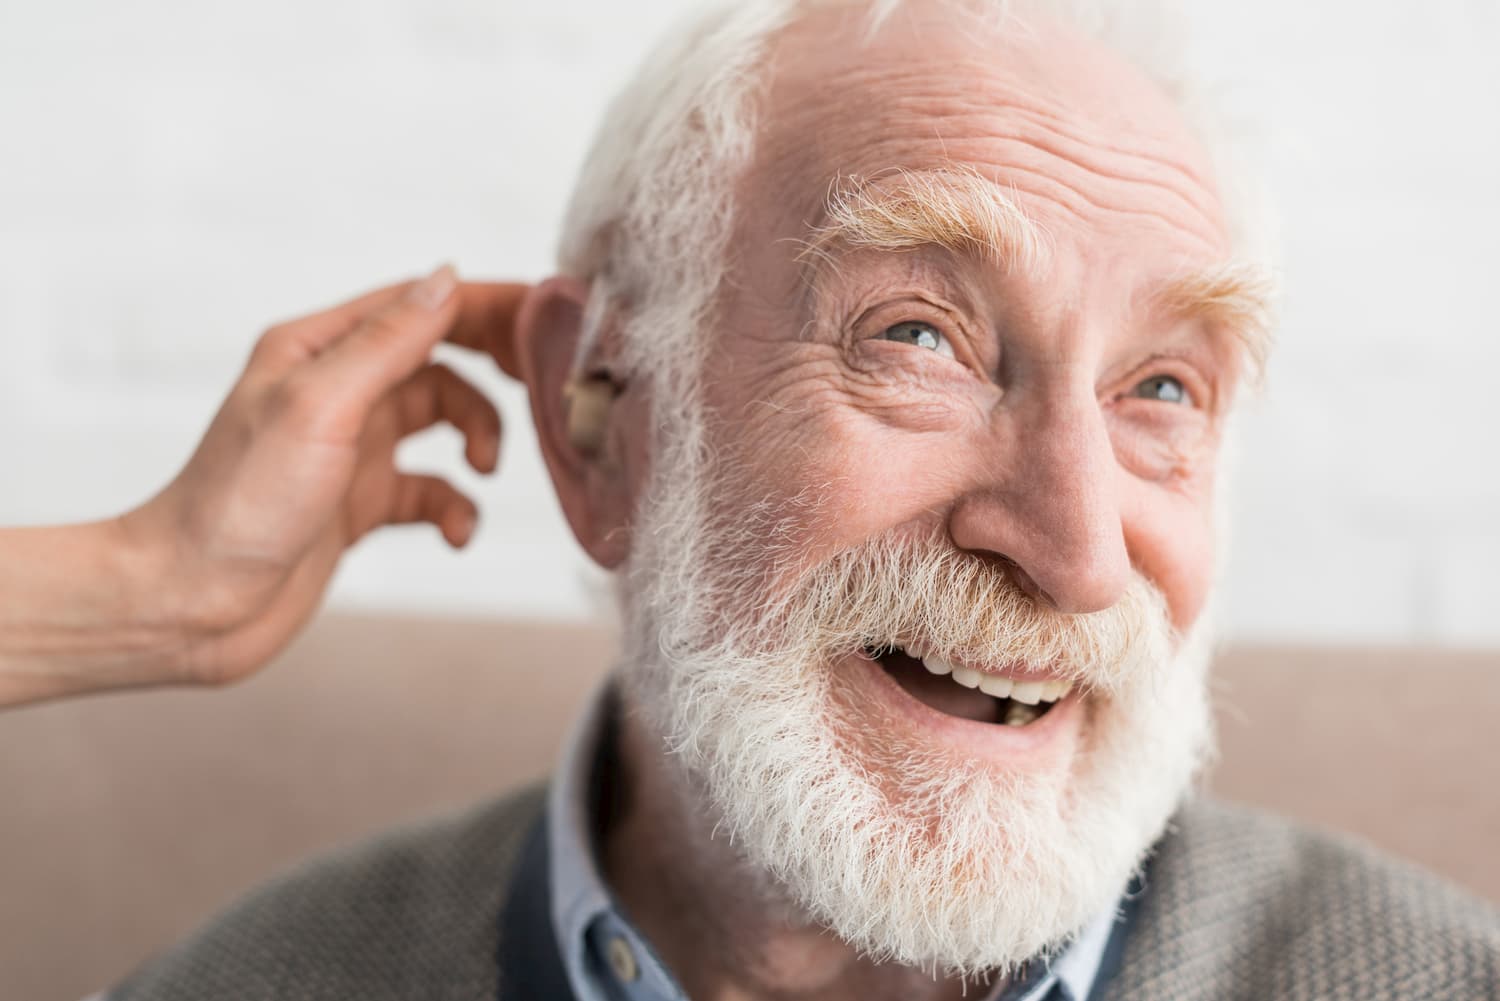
(955,208)
(959,209)
(1234,298)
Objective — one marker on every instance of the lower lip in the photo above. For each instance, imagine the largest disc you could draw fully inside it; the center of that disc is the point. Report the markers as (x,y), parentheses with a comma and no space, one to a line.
(1044,737)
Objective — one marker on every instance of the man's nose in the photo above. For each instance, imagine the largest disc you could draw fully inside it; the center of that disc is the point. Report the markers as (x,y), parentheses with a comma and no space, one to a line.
(1049,505)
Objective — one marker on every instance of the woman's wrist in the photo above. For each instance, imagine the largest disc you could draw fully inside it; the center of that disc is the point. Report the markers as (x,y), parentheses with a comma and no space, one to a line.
(86,607)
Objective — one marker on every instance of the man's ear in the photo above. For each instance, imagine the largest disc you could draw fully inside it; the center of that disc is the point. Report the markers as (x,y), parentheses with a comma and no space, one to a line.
(577,413)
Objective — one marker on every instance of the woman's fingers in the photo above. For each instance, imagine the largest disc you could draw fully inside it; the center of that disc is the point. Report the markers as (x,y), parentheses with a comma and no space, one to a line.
(487,321)
(339,363)
(437,393)
(435,501)
(293,342)
(332,396)
(388,345)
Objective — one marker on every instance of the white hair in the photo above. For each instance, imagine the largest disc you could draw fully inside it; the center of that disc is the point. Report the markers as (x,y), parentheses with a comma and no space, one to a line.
(653,209)
(908,852)
(738,685)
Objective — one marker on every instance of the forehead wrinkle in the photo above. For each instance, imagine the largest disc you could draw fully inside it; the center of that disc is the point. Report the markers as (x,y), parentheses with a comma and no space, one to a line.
(1122,153)
(955,208)
(1116,165)
(1011,112)
(1059,194)
(1080,192)
(1163,152)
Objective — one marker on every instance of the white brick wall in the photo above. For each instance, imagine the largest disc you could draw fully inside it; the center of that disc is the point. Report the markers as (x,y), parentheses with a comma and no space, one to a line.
(173,177)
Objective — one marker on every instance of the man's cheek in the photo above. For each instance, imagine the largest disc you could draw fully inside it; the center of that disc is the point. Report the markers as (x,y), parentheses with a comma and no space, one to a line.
(1178,556)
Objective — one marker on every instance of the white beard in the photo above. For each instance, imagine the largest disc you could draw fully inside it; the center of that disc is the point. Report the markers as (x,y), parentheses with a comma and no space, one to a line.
(907,853)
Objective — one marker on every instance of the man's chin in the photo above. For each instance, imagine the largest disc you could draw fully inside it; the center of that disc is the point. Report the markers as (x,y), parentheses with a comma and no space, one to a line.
(931,838)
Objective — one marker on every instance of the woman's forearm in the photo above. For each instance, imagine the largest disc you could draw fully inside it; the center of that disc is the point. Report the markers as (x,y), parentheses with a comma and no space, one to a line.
(81,608)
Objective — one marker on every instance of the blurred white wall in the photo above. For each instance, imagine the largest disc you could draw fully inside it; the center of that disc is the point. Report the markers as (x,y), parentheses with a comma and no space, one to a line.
(175,176)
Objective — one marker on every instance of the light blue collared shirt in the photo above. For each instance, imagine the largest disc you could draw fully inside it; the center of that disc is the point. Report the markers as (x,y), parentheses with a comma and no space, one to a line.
(607,959)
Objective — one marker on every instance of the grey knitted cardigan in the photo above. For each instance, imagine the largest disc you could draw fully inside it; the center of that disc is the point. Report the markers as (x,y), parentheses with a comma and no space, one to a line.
(1237,907)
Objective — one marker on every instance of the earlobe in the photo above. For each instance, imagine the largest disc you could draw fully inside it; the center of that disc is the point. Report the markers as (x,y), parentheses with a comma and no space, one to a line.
(572,405)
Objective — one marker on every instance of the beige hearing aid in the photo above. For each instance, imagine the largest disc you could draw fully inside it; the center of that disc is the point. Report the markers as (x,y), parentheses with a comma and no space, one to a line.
(588,399)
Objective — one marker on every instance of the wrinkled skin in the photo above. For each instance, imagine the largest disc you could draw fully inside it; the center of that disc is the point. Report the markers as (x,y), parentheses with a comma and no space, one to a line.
(1043,442)
(1028,446)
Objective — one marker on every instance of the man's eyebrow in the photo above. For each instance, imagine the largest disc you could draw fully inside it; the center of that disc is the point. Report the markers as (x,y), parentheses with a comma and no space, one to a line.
(955,208)
(959,209)
(1237,298)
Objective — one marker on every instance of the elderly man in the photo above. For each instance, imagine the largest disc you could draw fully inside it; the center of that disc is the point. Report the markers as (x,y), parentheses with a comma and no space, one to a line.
(888,368)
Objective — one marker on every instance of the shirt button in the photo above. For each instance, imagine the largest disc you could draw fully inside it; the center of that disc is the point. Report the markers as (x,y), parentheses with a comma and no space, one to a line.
(622,959)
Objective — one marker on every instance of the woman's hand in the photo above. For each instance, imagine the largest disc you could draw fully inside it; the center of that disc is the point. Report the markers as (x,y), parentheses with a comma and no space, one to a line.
(215,574)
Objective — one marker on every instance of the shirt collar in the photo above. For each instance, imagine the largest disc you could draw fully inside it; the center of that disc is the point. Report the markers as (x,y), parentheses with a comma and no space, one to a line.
(583,909)
(585,918)
(1077,967)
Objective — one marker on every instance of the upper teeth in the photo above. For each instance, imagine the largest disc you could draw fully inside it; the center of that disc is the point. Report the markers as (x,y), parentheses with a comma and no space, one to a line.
(1001,686)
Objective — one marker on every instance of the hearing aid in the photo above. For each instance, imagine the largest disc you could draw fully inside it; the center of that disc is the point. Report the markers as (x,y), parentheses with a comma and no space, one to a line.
(588,399)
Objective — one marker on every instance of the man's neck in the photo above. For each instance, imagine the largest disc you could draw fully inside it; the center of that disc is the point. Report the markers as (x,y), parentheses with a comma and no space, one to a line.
(721,926)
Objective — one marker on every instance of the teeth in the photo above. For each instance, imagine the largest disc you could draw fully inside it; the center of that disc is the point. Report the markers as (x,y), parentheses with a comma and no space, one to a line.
(1018,714)
(937,665)
(994,684)
(1029,692)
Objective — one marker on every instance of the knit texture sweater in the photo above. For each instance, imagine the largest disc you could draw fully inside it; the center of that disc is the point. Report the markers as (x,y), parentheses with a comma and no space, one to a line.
(1237,906)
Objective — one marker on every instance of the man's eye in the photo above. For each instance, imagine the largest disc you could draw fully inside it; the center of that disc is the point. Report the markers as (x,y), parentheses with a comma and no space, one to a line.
(1163,388)
(921,335)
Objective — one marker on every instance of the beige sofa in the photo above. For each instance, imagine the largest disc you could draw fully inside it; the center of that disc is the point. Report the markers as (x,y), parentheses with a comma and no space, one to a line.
(128,819)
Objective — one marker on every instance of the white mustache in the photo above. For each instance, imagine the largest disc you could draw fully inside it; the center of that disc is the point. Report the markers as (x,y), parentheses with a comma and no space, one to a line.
(897,590)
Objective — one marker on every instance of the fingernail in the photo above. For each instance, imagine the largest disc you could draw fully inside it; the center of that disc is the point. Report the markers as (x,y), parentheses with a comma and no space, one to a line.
(431,292)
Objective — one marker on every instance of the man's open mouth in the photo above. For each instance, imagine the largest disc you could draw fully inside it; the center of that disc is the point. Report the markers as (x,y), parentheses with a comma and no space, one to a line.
(983,696)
